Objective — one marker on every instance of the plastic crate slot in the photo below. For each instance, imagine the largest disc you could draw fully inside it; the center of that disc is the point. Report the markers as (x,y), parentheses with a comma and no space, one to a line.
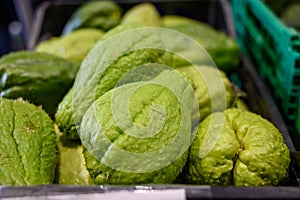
(261,37)
(296,81)
(291,113)
(290,124)
(270,41)
(271,51)
(297,63)
(252,16)
(270,56)
(249,40)
(296,90)
(293,99)
(296,45)
(255,33)
(295,38)
(265,22)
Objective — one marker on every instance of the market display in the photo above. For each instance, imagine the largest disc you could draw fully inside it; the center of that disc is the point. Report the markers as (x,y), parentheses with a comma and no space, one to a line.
(135,98)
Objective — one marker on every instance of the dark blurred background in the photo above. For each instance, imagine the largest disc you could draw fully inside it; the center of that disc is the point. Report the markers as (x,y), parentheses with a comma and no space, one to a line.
(7,15)
(26,22)
(15,23)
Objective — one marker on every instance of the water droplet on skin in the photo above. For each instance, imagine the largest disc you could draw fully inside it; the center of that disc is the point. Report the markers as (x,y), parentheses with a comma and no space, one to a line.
(217,126)
(3,80)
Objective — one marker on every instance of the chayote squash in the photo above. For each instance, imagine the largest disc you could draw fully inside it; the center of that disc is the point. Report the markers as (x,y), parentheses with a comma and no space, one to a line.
(102,15)
(115,61)
(144,14)
(212,87)
(237,147)
(27,144)
(40,78)
(223,50)
(139,133)
(71,167)
(74,46)
(64,117)
(108,62)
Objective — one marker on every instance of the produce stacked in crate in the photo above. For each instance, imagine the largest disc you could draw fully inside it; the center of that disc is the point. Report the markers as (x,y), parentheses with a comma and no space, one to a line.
(135,98)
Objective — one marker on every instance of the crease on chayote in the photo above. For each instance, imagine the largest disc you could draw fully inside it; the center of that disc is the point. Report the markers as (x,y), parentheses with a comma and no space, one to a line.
(239,148)
(118,152)
(27,144)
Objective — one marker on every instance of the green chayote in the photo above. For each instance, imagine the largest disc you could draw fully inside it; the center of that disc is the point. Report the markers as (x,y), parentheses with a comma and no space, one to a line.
(239,148)
(27,144)
(139,133)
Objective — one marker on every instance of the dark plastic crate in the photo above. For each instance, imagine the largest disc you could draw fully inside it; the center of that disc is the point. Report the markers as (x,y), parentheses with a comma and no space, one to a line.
(51,16)
(275,51)
(218,14)
(192,192)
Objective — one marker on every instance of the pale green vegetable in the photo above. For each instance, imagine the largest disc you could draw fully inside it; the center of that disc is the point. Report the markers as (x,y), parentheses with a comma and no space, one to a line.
(223,50)
(27,144)
(139,133)
(102,15)
(144,14)
(115,61)
(74,46)
(40,78)
(212,88)
(64,117)
(239,148)
(71,167)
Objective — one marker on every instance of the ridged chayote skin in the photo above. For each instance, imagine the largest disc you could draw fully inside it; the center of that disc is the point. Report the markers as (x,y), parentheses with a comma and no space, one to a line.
(117,71)
(144,13)
(224,50)
(94,78)
(102,15)
(74,46)
(212,87)
(110,76)
(238,148)
(119,152)
(42,79)
(64,117)
(27,144)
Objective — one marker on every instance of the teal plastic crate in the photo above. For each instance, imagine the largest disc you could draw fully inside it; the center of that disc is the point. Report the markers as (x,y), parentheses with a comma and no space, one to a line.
(275,51)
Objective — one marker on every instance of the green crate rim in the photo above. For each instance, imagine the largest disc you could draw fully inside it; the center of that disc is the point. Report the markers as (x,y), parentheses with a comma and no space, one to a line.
(286,83)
